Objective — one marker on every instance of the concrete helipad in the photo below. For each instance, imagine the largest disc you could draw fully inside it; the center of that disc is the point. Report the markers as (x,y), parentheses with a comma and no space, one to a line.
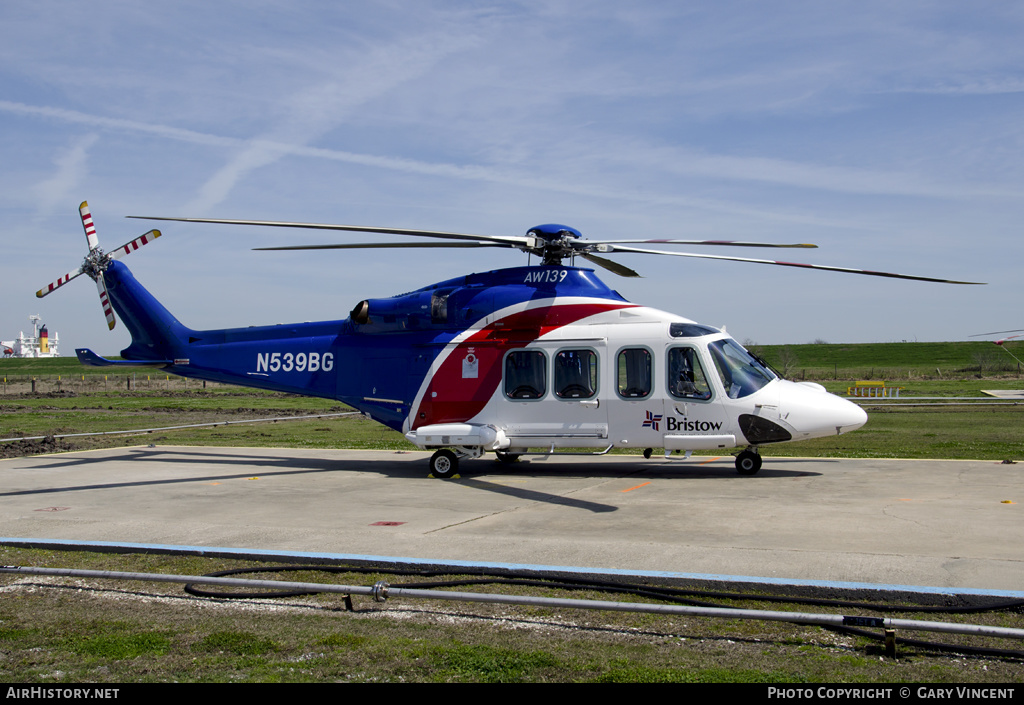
(948,524)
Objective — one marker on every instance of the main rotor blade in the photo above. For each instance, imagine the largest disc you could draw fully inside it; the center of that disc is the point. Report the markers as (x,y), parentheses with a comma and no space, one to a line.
(997,332)
(511,240)
(376,245)
(715,243)
(823,267)
(580,247)
(621,270)
(57,284)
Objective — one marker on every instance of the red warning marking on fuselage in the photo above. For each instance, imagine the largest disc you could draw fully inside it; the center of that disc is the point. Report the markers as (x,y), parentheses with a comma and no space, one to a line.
(452,397)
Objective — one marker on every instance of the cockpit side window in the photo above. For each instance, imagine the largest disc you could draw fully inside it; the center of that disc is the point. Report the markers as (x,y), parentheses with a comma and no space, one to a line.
(634,373)
(525,374)
(686,378)
(575,374)
(690,330)
(741,374)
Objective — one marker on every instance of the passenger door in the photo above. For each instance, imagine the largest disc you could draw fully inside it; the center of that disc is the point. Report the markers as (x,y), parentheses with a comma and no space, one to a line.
(552,396)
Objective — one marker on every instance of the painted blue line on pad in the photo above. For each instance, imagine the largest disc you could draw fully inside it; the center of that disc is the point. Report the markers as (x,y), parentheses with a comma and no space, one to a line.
(277,555)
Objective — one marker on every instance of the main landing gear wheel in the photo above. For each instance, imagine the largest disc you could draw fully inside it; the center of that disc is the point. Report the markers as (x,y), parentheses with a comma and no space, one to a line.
(648,452)
(506,458)
(748,462)
(444,464)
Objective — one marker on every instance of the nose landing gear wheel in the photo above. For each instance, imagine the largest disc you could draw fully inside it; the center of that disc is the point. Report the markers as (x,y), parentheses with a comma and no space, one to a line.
(748,463)
(444,464)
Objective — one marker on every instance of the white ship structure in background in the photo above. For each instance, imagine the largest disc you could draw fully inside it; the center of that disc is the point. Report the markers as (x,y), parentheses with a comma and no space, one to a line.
(39,344)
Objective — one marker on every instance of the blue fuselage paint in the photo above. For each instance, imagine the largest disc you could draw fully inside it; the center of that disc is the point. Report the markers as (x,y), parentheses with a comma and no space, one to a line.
(375,362)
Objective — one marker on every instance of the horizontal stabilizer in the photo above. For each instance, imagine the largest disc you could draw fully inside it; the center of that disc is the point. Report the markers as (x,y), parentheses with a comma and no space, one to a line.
(88,357)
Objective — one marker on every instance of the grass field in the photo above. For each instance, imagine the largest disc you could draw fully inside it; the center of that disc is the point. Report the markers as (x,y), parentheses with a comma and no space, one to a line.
(62,630)
(962,432)
(892,361)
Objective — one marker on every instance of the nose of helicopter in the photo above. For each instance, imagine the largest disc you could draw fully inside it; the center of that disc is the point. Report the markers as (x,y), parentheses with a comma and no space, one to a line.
(812,412)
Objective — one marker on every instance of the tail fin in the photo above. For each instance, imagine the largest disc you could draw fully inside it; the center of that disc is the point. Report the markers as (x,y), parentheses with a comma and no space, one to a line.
(156,334)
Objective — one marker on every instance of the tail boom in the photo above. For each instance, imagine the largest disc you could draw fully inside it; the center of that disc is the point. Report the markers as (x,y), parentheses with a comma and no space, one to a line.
(298,358)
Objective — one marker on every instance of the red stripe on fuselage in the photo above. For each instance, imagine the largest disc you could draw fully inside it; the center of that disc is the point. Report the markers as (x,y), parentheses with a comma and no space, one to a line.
(453,395)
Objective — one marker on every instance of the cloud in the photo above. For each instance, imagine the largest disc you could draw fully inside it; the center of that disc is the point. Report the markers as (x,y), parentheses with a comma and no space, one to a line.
(72,168)
(991,85)
(323,106)
(116,124)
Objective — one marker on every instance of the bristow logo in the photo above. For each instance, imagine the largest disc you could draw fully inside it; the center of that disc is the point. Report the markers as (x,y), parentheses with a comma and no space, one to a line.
(683,424)
(652,421)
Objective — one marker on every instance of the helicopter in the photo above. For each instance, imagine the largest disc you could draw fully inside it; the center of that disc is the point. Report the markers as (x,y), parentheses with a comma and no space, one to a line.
(536,359)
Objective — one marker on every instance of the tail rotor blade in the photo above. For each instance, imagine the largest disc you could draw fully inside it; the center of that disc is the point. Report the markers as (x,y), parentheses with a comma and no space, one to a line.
(96,262)
(90,228)
(108,311)
(130,247)
(57,284)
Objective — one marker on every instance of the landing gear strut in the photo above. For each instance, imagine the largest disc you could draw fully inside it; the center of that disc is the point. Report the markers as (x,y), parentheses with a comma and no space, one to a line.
(748,462)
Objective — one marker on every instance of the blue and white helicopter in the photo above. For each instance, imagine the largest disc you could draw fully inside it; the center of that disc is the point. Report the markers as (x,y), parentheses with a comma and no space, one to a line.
(536,358)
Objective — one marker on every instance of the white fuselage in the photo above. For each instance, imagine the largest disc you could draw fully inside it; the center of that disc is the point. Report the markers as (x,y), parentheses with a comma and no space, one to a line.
(635,377)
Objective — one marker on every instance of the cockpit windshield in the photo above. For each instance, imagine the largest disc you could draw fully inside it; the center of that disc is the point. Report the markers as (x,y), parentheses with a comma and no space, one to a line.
(741,374)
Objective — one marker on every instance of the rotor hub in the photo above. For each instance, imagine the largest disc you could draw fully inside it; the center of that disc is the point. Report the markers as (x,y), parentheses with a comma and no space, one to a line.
(553,242)
(96,262)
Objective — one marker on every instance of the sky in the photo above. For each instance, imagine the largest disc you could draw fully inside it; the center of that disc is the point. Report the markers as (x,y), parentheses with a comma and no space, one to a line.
(889,134)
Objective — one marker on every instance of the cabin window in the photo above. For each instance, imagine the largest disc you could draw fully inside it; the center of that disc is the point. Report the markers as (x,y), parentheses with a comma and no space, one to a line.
(741,374)
(686,378)
(575,374)
(634,372)
(525,374)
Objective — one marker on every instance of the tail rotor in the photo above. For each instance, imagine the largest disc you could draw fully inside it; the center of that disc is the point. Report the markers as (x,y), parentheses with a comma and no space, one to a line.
(96,262)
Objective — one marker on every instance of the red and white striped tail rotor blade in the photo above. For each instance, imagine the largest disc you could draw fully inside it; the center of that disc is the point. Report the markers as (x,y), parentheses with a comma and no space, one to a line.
(57,284)
(90,228)
(108,311)
(130,247)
